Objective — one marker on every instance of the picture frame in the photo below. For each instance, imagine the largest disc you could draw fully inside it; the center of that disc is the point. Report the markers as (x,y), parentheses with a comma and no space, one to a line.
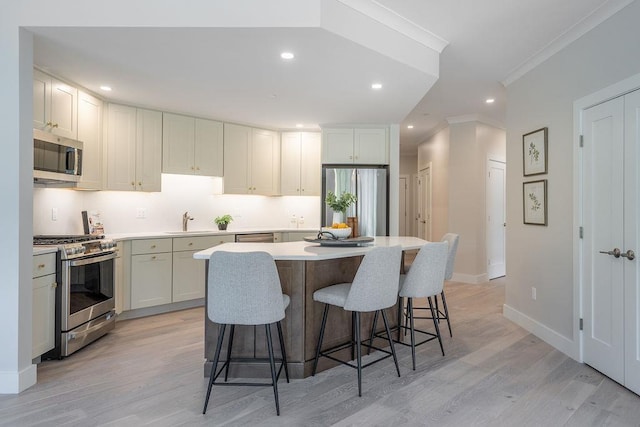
(534,196)
(534,152)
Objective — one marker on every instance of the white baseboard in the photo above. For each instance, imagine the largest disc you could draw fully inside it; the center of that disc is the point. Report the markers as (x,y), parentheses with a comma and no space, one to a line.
(470,278)
(548,335)
(15,382)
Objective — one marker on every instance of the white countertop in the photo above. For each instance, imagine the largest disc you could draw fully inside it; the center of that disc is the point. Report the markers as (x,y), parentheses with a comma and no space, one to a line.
(212,232)
(305,251)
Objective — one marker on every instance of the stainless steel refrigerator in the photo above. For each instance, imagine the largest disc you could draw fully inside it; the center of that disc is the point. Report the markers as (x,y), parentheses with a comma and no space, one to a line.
(371,185)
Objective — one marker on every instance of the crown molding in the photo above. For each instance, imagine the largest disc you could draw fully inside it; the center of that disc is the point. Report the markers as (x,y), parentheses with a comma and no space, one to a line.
(591,21)
(474,118)
(399,23)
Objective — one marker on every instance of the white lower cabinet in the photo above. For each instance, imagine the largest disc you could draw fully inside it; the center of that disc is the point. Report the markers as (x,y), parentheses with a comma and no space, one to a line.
(44,304)
(151,265)
(189,278)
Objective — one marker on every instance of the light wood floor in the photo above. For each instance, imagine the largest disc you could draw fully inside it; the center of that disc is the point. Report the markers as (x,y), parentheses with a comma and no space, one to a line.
(149,372)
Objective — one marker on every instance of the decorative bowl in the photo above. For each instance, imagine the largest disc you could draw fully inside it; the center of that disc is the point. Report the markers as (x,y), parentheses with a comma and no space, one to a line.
(339,233)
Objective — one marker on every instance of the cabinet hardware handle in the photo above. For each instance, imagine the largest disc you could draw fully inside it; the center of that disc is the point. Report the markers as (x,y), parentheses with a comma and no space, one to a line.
(49,124)
(630,255)
(55,125)
(192,167)
(40,265)
(140,183)
(133,184)
(153,246)
(54,285)
(190,244)
(197,168)
(153,257)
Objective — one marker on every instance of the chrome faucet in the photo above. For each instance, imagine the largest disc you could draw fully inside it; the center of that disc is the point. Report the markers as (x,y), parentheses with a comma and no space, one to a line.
(185,219)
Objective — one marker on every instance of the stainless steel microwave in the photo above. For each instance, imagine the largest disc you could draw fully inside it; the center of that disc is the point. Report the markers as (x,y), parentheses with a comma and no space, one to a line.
(55,158)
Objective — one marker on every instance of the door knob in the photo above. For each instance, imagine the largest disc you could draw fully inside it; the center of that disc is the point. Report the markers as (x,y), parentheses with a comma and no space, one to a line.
(615,252)
(630,255)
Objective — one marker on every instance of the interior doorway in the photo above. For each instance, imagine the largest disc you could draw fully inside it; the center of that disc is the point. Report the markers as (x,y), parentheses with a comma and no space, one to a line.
(610,210)
(496,218)
(423,190)
(403,208)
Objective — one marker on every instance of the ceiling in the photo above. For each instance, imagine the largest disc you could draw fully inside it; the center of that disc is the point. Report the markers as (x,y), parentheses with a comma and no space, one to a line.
(236,74)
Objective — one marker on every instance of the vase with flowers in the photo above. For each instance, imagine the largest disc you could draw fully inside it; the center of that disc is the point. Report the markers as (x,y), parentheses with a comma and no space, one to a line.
(339,204)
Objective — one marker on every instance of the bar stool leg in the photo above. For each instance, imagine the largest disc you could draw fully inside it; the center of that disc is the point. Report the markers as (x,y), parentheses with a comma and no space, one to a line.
(446,312)
(283,351)
(413,332)
(353,334)
(214,367)
(358,352)
(229,346)
(373,332)
(393,349)
(272,362)
(324,323)
(435,323)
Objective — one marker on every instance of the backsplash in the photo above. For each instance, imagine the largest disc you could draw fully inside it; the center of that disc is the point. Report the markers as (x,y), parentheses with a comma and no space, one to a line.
(58,211)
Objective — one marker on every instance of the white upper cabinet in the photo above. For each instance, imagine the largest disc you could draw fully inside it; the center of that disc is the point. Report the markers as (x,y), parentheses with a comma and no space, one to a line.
(363,146)
(134,148)
(90,111)
(251,160)
(192,146)
(301,169)
(55,106)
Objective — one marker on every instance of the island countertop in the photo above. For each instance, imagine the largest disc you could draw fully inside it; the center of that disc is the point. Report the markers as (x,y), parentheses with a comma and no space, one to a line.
(307,251)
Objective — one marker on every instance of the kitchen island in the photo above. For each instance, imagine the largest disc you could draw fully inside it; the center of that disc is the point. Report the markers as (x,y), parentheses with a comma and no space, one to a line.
(303,268)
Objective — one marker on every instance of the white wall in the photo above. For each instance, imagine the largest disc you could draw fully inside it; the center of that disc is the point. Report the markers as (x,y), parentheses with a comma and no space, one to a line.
(200,196)
(436,151)
(542,256)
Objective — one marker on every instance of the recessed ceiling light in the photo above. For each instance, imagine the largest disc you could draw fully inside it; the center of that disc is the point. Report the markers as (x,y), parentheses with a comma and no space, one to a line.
(490,101)
(376,86)
(299,125)
(287,55)
(106,88)
(410,127)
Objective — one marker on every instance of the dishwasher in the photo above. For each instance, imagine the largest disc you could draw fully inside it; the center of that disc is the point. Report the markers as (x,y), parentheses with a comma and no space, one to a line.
(254,238)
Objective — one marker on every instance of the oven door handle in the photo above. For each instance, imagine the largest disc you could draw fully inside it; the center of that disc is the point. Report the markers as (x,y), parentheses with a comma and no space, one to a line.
(91,260)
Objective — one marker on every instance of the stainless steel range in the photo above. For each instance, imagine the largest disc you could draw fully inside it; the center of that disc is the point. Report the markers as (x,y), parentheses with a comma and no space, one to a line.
(85,305)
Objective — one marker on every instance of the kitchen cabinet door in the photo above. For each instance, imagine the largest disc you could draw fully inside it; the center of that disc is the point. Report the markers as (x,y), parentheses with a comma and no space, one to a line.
(90,133)
(301,170)
(121,147)
(237,140)
(148,150)
(151,279)
(55,106)
(178,134)
(337,146)
(43,310)
(371,146)
(188,277)
(208,148)
(310,167)
(264,162)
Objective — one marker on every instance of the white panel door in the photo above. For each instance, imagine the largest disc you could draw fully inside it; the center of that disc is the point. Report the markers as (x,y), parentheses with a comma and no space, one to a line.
(631,239)
(496,219)
(424,204)
(603,180)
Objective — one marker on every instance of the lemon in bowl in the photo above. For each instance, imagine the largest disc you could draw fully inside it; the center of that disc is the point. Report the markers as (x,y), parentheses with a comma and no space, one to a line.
(341,232)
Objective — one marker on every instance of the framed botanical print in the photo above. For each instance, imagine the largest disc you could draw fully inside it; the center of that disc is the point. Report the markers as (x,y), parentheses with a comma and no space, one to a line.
(534,195)
(534,152)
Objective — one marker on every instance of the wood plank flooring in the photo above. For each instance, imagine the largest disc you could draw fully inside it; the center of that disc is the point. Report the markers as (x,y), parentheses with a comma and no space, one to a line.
(149,372)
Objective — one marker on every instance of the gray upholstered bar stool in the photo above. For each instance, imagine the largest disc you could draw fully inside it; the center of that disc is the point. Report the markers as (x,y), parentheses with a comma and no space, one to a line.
(244,289)
(374,288)
(452,239)
(424,280)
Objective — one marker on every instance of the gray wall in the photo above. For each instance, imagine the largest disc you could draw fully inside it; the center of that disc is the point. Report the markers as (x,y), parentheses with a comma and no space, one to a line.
(543,256)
